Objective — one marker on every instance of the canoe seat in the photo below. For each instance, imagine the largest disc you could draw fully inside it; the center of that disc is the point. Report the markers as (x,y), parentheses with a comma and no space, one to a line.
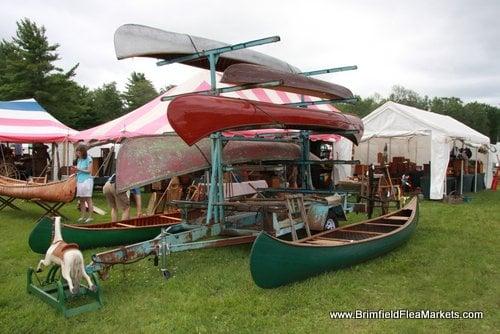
(326,242)
(335,239)
(171,218)
(362,232)
(125,225)
(383,224)
(401,218)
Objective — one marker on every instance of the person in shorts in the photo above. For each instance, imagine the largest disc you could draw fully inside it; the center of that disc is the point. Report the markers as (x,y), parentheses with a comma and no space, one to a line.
(120,201)
(84,184)
(116,201)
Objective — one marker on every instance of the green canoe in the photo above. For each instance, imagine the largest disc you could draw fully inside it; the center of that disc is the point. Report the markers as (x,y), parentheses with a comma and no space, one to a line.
(275,262)
(101,235)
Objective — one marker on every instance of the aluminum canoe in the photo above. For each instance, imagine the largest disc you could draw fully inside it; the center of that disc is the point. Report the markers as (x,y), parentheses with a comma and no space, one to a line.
(134,40)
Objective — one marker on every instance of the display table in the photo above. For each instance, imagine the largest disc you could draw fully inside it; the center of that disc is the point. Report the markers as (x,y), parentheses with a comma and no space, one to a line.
(468,185)
(480,182)
(425,184)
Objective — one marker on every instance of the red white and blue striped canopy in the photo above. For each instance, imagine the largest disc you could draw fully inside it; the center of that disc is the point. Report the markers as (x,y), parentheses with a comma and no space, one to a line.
(25,121)
(151,118)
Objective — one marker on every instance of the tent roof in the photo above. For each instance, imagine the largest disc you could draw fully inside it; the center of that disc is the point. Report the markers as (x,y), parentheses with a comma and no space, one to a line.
(25,121)
(398,120)
(151,118)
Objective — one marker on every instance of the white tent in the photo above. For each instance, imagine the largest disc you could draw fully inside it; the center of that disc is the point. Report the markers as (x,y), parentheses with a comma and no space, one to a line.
(420,135)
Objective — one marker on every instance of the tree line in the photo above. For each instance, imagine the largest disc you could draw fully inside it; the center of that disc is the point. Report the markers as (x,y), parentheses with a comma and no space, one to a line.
(482,117)
(27,70)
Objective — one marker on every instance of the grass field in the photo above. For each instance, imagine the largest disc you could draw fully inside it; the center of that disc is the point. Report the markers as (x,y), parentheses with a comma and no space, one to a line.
(451,263)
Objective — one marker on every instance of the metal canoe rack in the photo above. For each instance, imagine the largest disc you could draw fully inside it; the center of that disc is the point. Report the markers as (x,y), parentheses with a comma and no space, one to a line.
(186,236)
(54,291)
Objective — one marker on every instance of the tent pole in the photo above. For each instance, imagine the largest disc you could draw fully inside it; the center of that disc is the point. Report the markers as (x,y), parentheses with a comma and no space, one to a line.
(390,150)
(368,152)
(475,174)
(53,162)
(461,177)
(416,150)
(3,159)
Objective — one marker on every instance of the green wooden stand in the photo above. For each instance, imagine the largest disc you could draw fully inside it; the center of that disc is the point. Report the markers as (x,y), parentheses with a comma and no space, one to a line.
(55,292)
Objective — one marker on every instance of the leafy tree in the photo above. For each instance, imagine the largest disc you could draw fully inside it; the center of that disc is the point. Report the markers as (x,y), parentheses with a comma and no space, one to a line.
(106,102)
(27,70)
(362,107)
(400,94)
(139,91)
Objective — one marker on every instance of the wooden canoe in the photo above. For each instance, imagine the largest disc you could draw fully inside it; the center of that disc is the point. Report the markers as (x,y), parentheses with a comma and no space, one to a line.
(194,117)
(240,74)
(275,262)
(58,191)
(133,40)
(147,159)
(87,236)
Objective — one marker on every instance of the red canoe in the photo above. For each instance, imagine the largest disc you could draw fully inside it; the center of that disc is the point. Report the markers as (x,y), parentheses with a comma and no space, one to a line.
(194,117)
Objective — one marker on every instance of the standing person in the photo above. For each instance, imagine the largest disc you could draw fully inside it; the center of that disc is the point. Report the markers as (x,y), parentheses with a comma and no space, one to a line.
(121,200)
(138,200)
(84,183)
(116,200)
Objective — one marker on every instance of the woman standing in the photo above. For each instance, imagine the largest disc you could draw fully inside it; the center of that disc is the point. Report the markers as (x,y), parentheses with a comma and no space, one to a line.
(85,183)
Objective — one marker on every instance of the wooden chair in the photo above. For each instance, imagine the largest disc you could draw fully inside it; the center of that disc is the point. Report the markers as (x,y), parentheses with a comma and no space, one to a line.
(297,210)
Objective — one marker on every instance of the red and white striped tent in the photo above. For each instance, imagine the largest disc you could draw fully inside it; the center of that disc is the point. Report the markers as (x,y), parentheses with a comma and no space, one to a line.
(151,118)
(25,121)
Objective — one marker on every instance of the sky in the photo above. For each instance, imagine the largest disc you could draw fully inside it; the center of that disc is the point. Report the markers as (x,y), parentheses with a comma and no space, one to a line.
(436,48)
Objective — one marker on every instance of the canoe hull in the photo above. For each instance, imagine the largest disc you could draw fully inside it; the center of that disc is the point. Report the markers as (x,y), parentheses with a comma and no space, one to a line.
(88,237)
(241,74)
(143,160)
(194,117)
(59,191)
(133,40)
(274,262)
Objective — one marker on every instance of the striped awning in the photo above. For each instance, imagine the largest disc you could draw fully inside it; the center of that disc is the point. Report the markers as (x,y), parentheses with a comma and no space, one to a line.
(151,118)
(25,121)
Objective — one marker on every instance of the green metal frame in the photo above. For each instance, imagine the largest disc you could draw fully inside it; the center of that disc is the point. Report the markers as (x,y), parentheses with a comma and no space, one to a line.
(230,89)
(185,236)
(54,291)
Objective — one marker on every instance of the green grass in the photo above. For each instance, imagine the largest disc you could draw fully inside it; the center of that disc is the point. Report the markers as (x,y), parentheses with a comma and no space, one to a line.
(451,262)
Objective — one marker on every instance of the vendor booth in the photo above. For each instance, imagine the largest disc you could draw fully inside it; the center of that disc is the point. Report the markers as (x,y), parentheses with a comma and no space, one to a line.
(440,154)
